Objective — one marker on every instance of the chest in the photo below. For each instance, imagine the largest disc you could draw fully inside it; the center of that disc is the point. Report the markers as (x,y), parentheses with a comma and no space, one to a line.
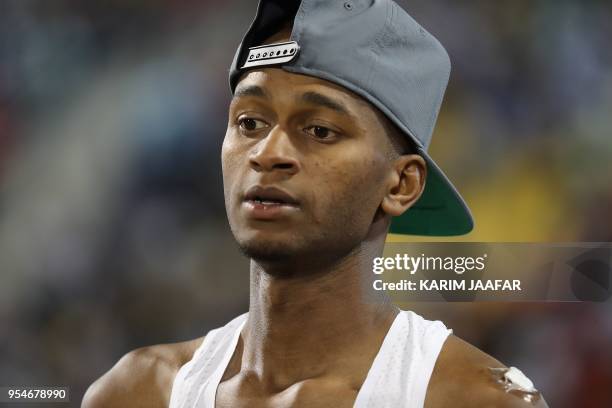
(239,393)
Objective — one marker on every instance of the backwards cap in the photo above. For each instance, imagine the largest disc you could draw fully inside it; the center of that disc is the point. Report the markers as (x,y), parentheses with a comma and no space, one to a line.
(376,50)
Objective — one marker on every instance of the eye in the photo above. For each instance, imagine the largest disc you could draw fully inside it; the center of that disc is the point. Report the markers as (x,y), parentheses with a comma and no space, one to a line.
(321,132)
(250,124)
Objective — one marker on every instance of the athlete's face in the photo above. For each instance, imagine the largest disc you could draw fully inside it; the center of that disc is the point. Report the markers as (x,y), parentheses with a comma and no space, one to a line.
(306,166)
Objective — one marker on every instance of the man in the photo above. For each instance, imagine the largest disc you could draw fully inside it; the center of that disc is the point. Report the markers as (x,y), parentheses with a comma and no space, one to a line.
(334,104)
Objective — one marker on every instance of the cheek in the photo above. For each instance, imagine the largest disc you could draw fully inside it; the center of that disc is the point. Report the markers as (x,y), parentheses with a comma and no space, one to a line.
(363,185)
(226,153)
(230,160)
(351,188)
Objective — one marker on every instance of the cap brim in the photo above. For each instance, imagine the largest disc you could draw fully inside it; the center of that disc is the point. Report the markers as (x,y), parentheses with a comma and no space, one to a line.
(440,211)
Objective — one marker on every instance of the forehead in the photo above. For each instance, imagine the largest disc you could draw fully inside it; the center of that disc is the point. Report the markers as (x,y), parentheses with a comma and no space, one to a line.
(279,85)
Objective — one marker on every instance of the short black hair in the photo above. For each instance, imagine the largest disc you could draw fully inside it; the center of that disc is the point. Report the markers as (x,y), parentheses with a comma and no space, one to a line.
(400,142)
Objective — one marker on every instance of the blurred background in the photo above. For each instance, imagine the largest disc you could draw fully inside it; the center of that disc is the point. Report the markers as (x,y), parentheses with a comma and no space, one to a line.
(113,232)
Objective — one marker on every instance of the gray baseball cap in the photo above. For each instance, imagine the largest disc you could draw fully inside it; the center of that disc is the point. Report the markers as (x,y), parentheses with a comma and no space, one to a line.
(376,50)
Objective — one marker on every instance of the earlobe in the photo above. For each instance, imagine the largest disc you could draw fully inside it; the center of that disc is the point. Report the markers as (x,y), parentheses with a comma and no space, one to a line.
(406,184)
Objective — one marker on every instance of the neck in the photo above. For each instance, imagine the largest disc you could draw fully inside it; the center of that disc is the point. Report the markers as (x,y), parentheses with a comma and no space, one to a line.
(307,325)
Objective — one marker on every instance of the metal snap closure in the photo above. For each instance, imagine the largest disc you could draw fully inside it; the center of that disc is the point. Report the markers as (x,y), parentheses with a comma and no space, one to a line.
(348,5)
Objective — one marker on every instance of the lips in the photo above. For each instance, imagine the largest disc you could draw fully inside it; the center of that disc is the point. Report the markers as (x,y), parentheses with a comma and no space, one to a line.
(270,196)
(269,204)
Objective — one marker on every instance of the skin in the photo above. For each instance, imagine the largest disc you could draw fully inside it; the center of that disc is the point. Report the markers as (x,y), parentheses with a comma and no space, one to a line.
(308,266)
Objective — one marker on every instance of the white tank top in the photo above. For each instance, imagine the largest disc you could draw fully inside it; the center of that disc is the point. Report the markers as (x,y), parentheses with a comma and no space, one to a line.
(397,378)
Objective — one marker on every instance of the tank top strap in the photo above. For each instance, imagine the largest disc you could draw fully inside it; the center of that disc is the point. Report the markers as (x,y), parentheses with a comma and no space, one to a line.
(196,382)
(400,373)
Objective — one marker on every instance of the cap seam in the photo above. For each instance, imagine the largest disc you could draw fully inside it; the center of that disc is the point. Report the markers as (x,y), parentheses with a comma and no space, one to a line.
(376,42)
(297,30)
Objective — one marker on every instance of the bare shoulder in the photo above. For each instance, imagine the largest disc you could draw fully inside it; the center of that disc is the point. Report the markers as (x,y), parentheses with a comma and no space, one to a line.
(141,378)
(462,378)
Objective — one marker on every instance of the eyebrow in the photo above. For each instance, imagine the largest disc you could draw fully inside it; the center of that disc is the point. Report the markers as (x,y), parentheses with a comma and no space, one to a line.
(250,90)
(313,98)
(316,98)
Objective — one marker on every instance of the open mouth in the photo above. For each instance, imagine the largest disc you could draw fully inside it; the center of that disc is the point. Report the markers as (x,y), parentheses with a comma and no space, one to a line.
(269,203)
(270,196)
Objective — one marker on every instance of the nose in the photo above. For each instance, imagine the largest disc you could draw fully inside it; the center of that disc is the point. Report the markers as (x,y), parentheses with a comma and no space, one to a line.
(275,152)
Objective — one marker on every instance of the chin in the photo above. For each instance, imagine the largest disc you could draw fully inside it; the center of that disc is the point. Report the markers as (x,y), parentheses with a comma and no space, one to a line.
(268,247)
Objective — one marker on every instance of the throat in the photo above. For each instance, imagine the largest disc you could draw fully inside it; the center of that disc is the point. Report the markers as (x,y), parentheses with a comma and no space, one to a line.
(324,325)
(286,348)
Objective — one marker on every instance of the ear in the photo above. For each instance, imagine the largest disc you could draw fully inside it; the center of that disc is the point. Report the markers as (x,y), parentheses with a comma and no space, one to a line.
(406,184)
